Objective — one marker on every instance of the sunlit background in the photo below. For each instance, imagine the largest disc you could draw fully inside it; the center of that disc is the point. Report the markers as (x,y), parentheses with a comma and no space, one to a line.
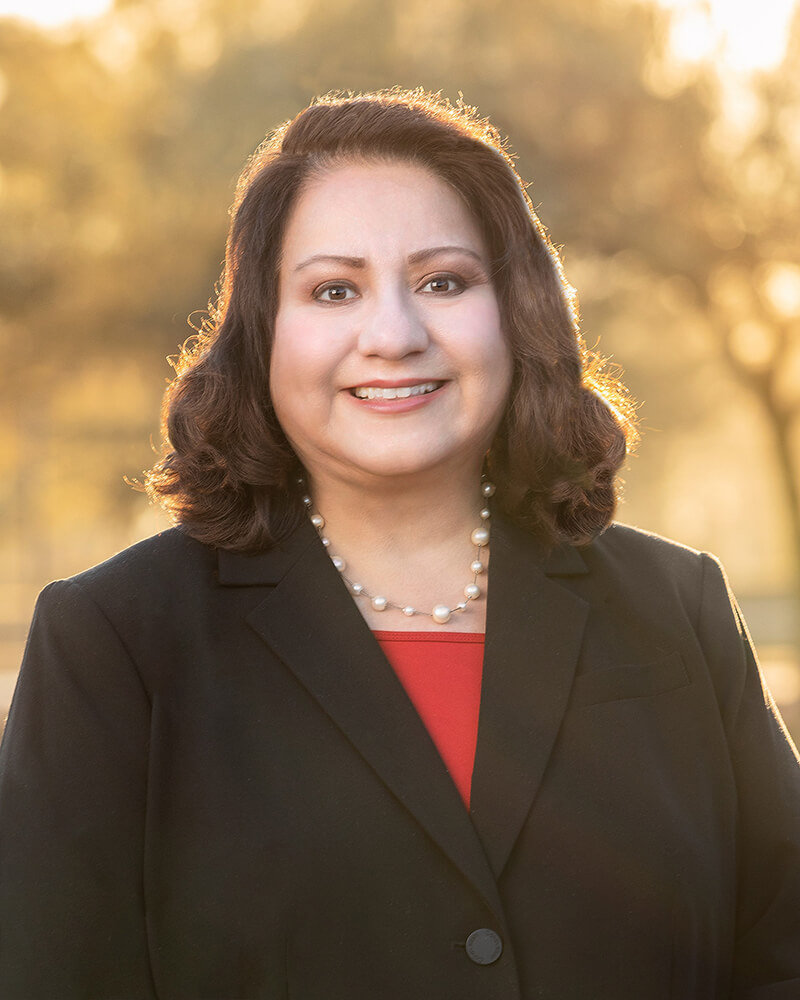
(662,140)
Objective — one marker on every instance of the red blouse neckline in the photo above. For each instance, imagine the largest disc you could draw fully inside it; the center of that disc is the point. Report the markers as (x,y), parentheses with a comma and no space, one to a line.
(388,636)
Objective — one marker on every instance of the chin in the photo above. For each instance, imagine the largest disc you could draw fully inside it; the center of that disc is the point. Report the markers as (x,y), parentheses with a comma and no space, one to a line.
(398,463)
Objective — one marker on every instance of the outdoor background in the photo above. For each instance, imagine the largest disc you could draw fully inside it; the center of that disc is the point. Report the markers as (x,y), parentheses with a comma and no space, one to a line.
(662,143)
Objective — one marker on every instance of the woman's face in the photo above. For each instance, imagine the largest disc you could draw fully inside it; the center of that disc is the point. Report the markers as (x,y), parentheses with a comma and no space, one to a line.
(388,358)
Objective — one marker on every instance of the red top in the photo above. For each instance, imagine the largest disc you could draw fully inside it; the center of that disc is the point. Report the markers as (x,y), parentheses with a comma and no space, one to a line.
(441,672)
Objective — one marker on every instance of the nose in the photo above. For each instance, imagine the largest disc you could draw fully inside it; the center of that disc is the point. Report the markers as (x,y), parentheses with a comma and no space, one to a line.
(393,327)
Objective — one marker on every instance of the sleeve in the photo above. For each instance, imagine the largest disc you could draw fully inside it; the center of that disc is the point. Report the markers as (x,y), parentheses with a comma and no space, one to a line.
(73,773)
(767,772)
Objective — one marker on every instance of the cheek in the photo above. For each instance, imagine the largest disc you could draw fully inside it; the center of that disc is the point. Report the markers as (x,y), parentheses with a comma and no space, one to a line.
(499,383)
(285,372)
(303,351)
(292,354)
(302,373)
(498,372)
(505,361)
(490,350)
(278,370)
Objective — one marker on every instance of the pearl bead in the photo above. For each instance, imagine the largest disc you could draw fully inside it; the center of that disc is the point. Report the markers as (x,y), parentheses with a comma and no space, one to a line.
(325,541)
(408,611)
(318,520)
(307,501)
(379,603)
(480,536)
(441,614)
(488,489)
(357,588)
(472,591)
(339,563)
(476,567)
(486,514)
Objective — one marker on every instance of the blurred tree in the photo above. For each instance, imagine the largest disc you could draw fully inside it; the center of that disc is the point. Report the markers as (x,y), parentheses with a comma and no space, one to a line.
(121,143)
(751,290)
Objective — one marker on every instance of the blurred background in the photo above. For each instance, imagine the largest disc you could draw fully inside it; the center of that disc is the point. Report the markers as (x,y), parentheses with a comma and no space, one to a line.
(662,143)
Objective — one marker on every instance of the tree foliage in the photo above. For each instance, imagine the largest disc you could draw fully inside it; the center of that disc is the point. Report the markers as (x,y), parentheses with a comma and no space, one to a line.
(121,142)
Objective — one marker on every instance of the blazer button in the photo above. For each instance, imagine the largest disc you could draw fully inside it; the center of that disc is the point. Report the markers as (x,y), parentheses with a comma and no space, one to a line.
(484,946)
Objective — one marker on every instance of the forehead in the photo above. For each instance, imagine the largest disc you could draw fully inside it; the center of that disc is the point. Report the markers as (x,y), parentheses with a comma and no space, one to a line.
(378,207)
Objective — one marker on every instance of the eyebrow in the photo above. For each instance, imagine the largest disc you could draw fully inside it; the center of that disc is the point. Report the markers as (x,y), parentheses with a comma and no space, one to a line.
(359,263)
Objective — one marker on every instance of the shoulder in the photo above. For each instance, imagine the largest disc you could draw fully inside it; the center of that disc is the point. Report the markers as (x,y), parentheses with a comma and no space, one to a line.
(622,541)
(672,597)
(171,551)
(625,549)
(138,576)
(622,560)
(135,608)
(649,571)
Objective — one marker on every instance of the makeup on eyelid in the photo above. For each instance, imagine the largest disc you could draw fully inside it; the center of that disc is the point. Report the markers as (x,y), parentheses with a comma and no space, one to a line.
(461,281)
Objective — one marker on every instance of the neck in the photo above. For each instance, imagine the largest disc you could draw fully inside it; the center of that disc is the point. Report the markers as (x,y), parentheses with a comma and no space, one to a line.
(399,515)
(410,543)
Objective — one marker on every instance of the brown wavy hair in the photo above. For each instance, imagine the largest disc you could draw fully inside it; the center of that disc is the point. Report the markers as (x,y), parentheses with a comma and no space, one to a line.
(227,472)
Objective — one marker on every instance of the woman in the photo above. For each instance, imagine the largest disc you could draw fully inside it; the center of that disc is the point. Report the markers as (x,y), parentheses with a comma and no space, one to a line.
(265,754)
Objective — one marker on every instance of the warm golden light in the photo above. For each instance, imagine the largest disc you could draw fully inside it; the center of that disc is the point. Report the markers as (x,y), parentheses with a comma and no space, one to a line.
(782,287)
(744,37)
(53,13)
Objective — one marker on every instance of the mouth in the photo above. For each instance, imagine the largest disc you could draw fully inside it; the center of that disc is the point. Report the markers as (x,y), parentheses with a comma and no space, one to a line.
(395,391)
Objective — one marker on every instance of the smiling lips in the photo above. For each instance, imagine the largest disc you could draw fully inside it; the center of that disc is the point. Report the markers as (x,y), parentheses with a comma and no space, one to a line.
(394,391)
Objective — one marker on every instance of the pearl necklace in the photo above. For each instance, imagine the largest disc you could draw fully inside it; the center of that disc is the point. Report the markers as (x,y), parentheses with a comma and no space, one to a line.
(441,613)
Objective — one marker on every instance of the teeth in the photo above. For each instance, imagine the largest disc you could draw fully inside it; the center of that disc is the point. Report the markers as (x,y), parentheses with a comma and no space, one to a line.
(401,392)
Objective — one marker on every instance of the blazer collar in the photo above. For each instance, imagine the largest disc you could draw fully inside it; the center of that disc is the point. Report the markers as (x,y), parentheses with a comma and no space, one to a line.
(269,567)
(534,629)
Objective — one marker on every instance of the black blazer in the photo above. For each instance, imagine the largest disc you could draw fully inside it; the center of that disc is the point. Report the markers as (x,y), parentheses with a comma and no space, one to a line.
(213,787)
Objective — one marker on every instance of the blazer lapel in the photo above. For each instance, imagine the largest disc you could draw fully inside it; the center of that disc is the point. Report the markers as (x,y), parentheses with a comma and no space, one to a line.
(311,623)
(533,637)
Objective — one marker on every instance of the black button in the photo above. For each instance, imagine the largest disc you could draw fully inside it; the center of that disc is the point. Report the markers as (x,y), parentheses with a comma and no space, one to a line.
(484,946)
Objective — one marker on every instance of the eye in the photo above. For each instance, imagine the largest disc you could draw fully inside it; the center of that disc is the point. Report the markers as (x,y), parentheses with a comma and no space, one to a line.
(443,284)
(334,292)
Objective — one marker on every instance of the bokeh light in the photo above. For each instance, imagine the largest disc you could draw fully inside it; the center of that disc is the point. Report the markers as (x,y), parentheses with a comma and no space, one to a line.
(53,13)
(743,37)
